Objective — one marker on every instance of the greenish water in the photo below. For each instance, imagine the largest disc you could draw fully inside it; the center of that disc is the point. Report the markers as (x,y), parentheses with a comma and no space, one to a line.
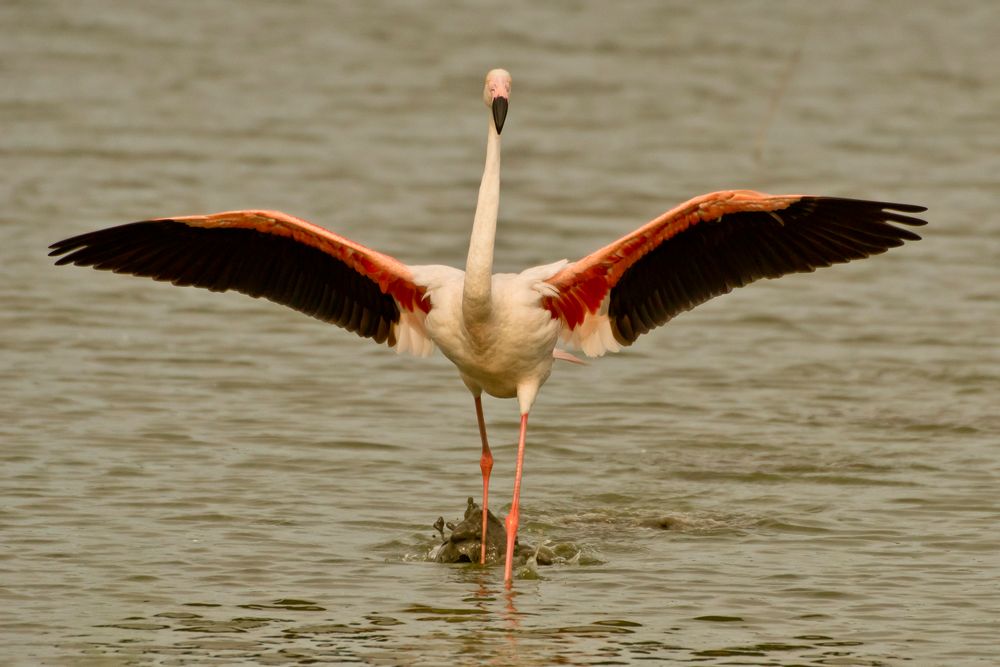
(803,472)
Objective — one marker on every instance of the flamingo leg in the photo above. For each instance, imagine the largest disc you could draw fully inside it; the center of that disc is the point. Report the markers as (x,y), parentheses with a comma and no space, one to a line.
(486,465)
(512,518)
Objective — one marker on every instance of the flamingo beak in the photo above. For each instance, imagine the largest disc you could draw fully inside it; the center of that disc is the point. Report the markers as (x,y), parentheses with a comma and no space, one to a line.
(499,112)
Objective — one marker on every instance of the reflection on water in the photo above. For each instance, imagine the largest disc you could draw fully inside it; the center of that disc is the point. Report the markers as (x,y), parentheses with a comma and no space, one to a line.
(802,472)
(486,626)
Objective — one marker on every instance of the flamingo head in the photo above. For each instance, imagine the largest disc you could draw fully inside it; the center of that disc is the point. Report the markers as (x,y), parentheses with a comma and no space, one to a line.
(496,93)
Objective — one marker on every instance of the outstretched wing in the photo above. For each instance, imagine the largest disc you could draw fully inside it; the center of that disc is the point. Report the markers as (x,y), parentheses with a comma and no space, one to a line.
(272,255)
(706,247)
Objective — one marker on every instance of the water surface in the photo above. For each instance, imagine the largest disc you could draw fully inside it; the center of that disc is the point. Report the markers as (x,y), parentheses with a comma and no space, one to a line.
(803,472)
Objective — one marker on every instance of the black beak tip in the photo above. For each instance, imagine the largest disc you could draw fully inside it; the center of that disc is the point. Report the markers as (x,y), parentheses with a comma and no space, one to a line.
(499,112)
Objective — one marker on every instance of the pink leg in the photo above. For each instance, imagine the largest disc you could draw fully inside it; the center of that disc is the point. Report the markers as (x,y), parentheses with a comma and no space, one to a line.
(486,465)
(512,518)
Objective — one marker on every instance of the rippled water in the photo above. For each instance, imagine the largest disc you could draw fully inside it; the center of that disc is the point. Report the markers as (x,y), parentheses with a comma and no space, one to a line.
(803,472)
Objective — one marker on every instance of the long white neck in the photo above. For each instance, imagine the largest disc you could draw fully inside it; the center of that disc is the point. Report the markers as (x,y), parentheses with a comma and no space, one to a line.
(476,294)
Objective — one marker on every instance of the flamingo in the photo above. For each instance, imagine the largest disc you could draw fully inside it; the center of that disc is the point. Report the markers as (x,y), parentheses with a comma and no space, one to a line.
(501,330)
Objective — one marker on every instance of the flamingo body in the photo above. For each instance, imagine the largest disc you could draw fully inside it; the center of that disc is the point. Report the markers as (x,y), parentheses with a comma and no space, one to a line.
(501,330)
(515,348)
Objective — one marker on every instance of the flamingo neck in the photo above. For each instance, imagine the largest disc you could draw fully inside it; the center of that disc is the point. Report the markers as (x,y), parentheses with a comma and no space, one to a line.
(477,290)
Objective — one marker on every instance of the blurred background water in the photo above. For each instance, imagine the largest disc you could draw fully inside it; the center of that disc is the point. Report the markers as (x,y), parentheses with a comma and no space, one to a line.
(802,472)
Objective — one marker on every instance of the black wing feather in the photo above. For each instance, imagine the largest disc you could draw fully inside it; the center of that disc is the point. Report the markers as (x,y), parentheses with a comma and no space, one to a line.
(275,267)
(712,258)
